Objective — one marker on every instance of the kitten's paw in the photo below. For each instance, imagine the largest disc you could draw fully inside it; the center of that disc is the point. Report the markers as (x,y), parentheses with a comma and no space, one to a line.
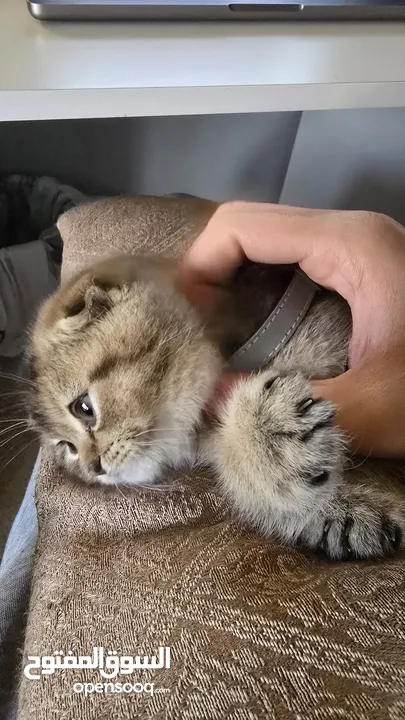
(296,430)
(298,426)
(280,461)
(355,527)
(279,453)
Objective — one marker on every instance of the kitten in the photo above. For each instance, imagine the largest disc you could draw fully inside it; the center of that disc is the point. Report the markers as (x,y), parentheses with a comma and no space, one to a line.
(123,366)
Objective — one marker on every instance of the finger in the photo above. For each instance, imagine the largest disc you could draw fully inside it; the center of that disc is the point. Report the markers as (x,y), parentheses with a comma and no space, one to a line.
(261,233)
(204,297)
(213,258)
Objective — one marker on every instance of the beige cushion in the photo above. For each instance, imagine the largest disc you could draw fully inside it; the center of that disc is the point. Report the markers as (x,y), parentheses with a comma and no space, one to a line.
(255,630)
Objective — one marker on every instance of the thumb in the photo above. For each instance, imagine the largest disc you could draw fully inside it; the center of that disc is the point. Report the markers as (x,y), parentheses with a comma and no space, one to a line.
(370,401)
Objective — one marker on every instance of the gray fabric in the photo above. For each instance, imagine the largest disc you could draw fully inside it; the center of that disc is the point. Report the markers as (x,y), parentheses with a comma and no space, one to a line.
(30,207)
(25,279)
(15,575)
(278,328)
(30,250)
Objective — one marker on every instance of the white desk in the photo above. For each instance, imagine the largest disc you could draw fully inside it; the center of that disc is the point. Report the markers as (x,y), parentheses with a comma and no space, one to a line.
(97,70)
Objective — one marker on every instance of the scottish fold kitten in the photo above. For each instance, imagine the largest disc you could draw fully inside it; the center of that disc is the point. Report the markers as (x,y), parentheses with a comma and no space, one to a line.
(123,366)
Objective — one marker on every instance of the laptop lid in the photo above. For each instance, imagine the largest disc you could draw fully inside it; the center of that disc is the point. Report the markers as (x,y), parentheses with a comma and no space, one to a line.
(217,10)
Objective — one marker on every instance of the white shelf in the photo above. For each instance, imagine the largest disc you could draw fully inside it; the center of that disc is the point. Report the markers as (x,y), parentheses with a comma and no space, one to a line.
(82,70)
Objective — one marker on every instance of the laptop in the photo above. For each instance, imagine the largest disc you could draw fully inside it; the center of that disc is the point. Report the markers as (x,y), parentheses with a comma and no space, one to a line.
(217,10)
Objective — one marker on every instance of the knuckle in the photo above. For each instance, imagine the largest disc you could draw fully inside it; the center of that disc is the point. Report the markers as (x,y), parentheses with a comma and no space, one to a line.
(375,221)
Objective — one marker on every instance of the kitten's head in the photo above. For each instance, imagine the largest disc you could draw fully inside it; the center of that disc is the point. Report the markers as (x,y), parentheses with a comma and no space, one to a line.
(121,370)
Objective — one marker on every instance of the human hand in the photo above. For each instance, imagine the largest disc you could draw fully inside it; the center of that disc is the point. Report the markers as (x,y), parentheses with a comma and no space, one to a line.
(359,255)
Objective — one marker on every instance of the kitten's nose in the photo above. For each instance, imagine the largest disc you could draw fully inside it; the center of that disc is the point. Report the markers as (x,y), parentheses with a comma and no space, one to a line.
(96,467)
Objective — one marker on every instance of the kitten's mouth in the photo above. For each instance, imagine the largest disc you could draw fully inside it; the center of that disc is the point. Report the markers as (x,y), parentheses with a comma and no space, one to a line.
(125,476)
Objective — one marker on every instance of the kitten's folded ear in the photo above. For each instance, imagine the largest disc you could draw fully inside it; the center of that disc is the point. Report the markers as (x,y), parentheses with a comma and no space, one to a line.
(76,305)
(88,303)
(91,294)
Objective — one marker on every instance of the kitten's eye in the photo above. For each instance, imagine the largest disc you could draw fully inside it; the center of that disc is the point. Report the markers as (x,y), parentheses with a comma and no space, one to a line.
(72,448)
(82,409)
